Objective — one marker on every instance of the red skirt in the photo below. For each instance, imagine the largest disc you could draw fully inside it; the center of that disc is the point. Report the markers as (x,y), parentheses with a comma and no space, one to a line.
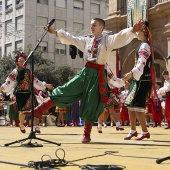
(149,105)
(157,110)
(124,113)
(167,108)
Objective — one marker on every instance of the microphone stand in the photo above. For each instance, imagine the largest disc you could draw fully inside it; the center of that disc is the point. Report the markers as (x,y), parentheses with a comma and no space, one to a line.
(32,133)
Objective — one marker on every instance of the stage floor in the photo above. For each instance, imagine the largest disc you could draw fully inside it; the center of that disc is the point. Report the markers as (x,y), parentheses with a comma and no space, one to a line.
(107,148)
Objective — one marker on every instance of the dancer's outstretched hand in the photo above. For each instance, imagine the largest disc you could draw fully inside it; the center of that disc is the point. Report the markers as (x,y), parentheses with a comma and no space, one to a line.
(49,86)
(50,29)
(127,76)
(138,26)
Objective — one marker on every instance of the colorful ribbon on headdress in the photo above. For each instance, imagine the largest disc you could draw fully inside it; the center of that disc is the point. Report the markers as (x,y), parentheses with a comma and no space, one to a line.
(147,33)
(146,30)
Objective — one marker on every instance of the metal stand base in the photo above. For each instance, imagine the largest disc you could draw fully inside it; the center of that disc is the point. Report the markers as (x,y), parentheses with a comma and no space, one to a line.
(29,144)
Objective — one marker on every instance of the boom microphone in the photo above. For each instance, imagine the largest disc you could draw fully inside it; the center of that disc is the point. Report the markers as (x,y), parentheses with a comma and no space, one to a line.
(158,161)
(50,23)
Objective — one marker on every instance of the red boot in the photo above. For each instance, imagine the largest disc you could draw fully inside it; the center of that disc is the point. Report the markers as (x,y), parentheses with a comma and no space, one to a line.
(87,131)
(73,122)
(66,123)
(27,123)
(40,109)
(77,122)
(11,122)
(17,123)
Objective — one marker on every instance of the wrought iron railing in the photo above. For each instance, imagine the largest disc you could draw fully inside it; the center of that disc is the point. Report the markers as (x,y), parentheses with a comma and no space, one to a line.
(161,1)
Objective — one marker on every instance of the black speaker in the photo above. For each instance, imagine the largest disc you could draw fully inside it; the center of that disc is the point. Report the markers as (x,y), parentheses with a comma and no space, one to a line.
(73,51)
(80,54)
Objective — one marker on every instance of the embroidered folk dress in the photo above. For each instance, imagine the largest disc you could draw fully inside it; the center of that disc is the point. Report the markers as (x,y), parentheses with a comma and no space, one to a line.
(114,84)
(85,85)
(165,91)
(18,83)
(124,110)
(141,80)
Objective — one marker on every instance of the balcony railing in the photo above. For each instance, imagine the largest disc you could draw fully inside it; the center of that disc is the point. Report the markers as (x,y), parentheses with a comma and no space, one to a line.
(152,3)
(161,1)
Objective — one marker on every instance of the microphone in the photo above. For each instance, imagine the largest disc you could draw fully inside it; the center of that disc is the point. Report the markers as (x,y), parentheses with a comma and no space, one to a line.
(50,23)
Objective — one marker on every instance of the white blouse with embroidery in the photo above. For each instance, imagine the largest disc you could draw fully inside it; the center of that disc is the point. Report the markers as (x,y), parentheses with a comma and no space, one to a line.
(163,90)
(144,53)
(11,82)
(105,45)
(123,96)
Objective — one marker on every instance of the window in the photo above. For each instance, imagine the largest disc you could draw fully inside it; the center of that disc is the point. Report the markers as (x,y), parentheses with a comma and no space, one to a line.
(152,3)
(9,5)
(0,7)
(8,49)
(19,2)
(8,27)
(0,31)
(95,8)
(158,71)
(60,24)
(18,45)
(43,47)
(41,21)
(0,51)
(19,23)
(107,10)
(123,8)
(60,49)
(61,4)
(45,2)
(78,4)
(77,27)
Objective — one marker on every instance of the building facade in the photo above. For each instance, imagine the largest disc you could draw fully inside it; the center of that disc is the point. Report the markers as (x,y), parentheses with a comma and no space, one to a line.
(159,19)
(22,22)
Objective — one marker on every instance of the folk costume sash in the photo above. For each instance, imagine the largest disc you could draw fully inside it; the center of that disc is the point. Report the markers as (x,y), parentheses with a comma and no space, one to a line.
(157,110)
(102,83)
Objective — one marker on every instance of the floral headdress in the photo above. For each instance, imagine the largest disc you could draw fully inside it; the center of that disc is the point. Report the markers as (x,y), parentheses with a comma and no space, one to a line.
(18,55)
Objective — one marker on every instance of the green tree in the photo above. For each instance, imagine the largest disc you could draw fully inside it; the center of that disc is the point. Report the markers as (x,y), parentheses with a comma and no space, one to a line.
(55,75)
(6,66)
(44,69)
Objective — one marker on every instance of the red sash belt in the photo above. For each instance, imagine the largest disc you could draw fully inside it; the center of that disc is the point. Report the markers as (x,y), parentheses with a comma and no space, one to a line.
(102,83)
